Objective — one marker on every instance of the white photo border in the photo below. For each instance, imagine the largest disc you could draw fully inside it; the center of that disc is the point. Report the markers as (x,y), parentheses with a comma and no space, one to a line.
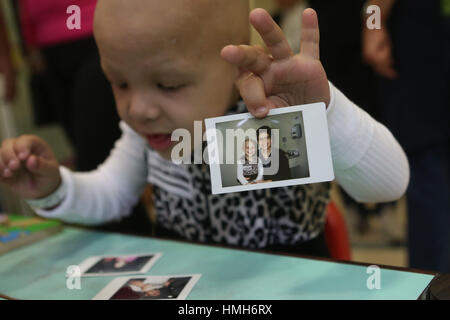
(317,146)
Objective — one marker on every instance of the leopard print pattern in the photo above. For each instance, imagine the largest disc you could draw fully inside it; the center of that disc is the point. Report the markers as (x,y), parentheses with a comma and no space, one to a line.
(253,219)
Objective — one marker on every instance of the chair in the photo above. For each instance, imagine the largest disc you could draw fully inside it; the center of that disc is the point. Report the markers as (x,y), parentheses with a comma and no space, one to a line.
(336,234)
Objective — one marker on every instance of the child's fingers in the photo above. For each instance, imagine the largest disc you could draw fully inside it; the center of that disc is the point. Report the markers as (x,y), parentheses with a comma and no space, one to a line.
(9,158)
(271,33)
(26,150)
(251,88)
(310,35)
(39,165)
(251,58)
(26,145)
(32,163)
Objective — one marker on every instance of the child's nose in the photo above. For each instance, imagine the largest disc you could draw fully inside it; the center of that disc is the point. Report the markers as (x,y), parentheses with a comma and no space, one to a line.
(143,107)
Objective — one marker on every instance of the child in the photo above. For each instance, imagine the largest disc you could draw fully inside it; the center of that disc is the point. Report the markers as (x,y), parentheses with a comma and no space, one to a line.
(249,168)
(169,64)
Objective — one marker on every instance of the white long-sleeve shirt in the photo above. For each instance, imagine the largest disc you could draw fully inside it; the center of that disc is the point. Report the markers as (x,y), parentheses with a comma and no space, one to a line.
(368,162)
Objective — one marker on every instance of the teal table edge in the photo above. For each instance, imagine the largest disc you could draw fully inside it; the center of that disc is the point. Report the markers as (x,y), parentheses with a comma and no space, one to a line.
(38,271)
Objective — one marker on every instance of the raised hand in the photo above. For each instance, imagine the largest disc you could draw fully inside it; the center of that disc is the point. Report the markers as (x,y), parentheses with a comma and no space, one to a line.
(279,78)
(29,167)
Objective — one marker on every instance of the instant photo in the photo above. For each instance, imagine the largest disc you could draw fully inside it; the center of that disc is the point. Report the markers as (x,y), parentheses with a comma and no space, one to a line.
(288,147)
(118,264)
(149,288)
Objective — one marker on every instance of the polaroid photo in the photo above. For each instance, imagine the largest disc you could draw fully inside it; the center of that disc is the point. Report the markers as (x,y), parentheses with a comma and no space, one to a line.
(290,146)
(176,287)
(113,265)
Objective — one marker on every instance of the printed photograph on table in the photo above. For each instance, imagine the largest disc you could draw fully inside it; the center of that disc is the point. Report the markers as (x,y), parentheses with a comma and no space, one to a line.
(289,147)
(118,264)
(149,288)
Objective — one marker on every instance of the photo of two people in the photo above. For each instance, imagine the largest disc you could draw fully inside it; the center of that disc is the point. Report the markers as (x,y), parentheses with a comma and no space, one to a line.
(145,289)
(277,151)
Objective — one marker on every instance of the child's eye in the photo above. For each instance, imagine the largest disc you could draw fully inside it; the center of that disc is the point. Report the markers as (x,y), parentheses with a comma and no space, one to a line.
(169,88)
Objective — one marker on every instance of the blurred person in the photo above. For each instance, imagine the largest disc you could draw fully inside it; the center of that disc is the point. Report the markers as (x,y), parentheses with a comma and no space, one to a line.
(66,78)
(340,27)
(341,32)
(6,63)
(67,84)
(411,54)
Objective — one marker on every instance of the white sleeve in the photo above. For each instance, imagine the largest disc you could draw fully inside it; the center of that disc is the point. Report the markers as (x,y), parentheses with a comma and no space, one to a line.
(240,175)
(368,161)
(109,192)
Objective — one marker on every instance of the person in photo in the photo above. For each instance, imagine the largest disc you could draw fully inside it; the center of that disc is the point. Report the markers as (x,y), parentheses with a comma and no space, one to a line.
(249,167)
(275,161)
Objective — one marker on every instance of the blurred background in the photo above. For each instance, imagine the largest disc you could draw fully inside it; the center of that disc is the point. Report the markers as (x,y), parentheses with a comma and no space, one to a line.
(392,74)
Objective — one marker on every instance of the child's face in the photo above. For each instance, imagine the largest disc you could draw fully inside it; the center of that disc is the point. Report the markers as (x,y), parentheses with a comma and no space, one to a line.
(250,148)
(164,71)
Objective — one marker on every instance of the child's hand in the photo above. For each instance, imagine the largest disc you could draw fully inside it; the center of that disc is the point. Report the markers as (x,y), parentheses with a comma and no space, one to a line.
(29,167)
(280,78)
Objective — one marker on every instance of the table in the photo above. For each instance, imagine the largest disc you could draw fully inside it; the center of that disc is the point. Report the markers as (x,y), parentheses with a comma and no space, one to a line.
(38,271)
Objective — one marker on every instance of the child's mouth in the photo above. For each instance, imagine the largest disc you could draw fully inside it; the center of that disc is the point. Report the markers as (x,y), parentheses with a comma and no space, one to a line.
(159,141)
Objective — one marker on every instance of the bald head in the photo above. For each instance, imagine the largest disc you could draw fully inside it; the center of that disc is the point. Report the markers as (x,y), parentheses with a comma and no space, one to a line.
(163,60)
(203,24)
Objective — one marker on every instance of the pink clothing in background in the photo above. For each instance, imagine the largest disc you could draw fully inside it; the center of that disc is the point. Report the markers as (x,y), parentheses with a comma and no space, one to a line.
(44,22)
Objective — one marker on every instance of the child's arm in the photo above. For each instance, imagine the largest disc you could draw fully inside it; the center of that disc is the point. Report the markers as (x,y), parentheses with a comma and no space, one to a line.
(109,192)
(30,169)
(369,163)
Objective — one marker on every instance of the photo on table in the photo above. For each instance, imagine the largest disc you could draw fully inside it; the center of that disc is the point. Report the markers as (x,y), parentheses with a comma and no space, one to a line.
(176,287)
(108,265)
(288,147)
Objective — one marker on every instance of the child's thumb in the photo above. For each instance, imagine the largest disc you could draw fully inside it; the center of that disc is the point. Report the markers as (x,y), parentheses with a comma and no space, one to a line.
(40,165)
